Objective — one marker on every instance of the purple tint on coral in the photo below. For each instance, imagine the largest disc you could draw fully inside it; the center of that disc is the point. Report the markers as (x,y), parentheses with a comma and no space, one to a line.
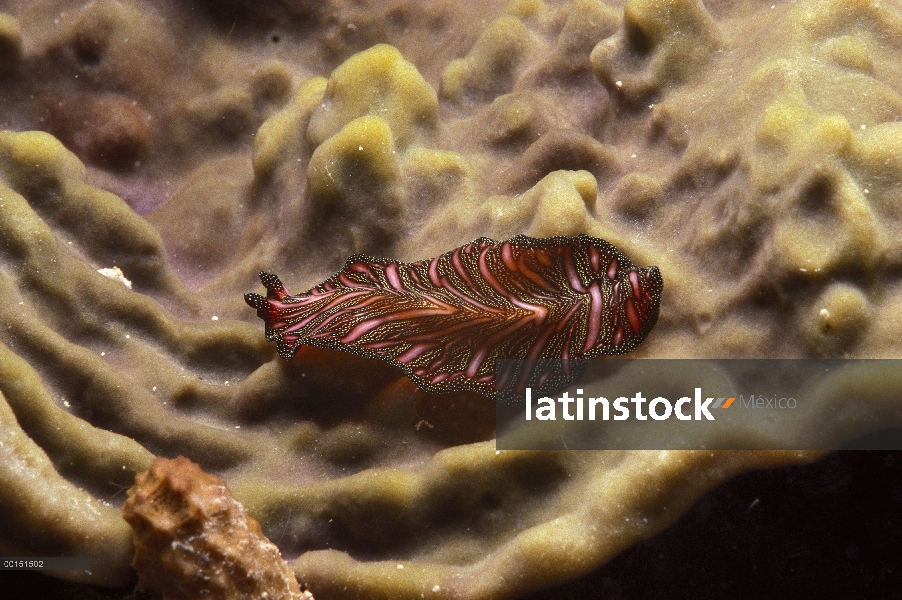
(446,321)
(142,192)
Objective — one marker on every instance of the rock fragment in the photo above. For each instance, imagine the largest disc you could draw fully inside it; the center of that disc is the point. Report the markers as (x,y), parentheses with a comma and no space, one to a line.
(193,539)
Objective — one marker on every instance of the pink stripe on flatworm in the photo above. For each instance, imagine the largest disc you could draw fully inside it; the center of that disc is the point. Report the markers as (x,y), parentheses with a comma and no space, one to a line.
(596,313)
(394,278)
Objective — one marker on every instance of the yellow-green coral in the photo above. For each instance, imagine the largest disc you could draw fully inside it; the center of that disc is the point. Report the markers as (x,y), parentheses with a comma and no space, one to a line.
(837,320)
(72,521)
(379,83)
(493,62)
(560,204)
(673,40)
(280,133)
(10,42)
(752,152)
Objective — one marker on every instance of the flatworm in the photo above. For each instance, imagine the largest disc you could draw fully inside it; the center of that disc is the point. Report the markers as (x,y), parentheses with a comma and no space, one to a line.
(446,321)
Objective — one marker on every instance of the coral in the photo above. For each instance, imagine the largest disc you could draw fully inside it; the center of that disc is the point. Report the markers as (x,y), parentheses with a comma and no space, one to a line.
(838,318)
(40,445)
(751,151)
(193,539)
(10,43)
(561,203)
(492,63)
(377,82)
(352,182)
(661,43)
(120,140)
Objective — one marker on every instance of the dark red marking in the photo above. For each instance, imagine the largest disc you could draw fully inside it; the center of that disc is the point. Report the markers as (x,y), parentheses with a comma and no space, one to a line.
(446,321)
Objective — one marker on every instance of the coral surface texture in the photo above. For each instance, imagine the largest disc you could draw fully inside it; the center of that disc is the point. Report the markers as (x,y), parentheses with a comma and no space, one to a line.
(156,155)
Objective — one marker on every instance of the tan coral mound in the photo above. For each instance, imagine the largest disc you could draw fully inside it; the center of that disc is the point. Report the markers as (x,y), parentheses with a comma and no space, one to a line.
(194,540)
(720,142)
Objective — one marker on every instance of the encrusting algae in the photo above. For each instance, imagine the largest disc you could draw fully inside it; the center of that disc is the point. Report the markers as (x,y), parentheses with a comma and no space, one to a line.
(194,540)
(752,152)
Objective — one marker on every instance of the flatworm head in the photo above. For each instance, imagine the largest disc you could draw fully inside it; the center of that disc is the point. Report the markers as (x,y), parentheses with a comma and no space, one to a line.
(446,321)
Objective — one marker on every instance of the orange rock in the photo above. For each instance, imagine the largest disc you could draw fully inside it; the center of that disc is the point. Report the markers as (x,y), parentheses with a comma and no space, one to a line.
(193,539)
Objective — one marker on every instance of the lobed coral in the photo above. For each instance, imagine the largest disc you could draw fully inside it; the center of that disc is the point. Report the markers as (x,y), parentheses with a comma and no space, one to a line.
(751,151)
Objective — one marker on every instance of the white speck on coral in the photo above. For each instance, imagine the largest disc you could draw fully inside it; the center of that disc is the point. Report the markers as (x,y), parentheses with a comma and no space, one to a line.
(436,588)
(103,354)
(400,567)
(117,274)
(214,318)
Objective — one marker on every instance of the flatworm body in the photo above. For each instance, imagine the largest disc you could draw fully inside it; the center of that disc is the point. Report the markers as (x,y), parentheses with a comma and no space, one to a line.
(446,321)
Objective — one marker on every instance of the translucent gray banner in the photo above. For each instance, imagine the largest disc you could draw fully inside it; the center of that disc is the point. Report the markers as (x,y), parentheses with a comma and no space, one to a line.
(682,404)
